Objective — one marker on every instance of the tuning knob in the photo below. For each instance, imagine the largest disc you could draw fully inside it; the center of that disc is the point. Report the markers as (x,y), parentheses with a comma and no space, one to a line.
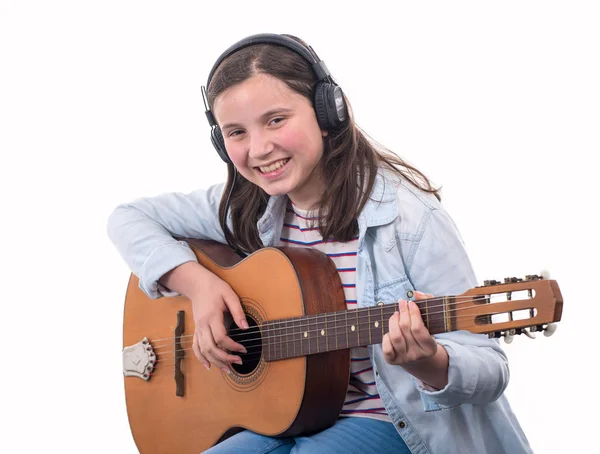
(550,329)
(491,282)
(512,280)
(530,332)
(545,274)
(508,337)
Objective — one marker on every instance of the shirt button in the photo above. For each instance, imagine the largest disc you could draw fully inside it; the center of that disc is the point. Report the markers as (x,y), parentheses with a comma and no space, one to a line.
(401,425)
(410,294)
(377,373)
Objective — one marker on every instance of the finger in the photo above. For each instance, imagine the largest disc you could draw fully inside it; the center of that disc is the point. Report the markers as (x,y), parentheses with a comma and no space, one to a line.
(389,354)
(213,353)
(222,340)
(199,355)
(404,319)
(234,306)
(419,332)
(397,339)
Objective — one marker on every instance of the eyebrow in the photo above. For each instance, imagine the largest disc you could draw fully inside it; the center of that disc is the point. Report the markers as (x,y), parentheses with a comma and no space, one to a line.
(277,110)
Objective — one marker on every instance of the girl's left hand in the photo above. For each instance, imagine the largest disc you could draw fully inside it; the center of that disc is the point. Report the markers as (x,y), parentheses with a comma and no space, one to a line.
(408,340)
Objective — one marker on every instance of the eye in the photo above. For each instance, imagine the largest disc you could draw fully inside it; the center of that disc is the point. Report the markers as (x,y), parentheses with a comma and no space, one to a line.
(276,120)
(235,132)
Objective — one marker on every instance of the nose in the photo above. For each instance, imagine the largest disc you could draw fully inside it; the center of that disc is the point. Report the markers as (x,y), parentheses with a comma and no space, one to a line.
(260,145)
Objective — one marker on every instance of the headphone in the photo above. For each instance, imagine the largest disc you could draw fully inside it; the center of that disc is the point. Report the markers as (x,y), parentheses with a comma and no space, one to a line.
(328,99)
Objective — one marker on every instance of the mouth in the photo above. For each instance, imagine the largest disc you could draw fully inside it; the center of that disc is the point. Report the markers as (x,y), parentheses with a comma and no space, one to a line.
(274,166)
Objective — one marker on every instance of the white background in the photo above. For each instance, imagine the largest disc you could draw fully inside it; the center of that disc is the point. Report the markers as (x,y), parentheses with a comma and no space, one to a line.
(100,103)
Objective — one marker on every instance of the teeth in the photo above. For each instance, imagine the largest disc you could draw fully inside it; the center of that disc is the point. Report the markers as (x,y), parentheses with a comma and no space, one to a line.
(273,167)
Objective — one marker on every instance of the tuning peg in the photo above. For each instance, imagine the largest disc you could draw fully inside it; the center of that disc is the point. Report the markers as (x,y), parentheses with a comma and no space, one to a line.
(509,336)
(544,274)
(491,282)
(512,280)
(550,329)
(530,332)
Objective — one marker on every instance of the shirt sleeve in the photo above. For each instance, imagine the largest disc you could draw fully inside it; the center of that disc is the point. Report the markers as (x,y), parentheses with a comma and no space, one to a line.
(478,370)
(145,231)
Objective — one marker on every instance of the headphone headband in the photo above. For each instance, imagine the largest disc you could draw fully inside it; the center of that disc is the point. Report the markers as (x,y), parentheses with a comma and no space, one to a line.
(307,53)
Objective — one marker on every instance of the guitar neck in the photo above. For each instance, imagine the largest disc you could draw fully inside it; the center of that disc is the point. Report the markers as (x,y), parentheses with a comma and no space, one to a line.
(312,334)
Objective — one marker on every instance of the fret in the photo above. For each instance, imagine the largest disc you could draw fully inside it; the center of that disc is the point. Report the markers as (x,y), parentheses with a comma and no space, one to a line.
(352,329)
(369,325)
(313,337)
(437,318)
(446,321)
(346,330)
(427,314)
(364,326)
(376,322)
(322,332)
(326,333)
(294,323)
(335,330)
(331,324)
(277,340)
(307,333)
(287,340)
(268,339)
(273,340)
(357,328)
(318,332)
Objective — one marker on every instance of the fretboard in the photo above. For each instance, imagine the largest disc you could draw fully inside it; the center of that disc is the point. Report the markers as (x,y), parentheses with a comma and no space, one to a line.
(312,334)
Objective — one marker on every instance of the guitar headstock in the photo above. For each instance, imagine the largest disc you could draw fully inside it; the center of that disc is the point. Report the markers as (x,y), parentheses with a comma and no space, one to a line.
(510,307)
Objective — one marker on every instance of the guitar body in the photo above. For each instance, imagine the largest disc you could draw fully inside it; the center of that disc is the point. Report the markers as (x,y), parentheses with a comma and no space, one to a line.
(278,398)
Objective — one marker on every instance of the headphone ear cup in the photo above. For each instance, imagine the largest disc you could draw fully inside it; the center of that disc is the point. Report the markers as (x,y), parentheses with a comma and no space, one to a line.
(321,107)
(330,107)
(218,142)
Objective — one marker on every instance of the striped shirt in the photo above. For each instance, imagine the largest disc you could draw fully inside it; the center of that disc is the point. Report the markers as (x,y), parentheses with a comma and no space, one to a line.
(300,229)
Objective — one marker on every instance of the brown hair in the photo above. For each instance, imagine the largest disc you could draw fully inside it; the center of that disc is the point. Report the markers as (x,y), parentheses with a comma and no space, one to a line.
(350,158)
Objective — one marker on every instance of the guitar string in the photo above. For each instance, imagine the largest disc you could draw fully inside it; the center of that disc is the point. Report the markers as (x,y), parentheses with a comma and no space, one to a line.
(260,345)
(259,341)
(341,316)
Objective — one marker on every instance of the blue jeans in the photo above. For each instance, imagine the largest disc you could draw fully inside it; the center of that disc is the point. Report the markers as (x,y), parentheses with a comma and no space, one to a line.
(346,436)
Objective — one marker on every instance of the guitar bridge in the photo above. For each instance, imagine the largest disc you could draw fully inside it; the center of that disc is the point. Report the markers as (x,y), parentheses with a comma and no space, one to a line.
(139,360)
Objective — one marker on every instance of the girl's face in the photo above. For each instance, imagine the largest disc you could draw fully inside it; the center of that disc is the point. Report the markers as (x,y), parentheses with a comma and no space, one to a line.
(273,138)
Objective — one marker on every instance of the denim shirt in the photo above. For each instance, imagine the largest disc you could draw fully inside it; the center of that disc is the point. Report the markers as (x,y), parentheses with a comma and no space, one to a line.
(407,242)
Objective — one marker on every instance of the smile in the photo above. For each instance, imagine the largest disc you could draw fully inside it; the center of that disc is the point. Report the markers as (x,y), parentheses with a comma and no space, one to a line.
(273,167)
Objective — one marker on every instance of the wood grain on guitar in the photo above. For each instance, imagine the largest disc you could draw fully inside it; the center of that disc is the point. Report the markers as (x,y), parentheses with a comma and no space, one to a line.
(295,373)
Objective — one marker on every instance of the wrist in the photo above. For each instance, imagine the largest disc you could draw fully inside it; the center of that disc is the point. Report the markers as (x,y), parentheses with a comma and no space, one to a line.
(432,371)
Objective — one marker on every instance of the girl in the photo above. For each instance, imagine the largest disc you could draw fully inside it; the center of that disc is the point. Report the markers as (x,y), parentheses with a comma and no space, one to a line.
(301,173)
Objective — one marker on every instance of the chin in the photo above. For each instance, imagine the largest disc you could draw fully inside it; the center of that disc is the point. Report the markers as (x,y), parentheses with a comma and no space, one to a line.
(276,189)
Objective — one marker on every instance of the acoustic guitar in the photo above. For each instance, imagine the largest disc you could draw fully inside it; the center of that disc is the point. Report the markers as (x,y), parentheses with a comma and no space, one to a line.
(296,370)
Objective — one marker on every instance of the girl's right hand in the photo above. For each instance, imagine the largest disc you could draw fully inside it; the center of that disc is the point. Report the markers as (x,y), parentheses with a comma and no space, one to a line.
(211,344)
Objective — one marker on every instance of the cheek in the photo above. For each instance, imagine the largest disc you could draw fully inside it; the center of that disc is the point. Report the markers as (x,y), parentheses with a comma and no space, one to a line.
(236,154)
(301,142)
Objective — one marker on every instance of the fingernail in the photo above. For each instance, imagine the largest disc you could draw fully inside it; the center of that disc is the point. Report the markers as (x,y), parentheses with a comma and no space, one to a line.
(244,324)
(238,361)
(207,366)
(226,370)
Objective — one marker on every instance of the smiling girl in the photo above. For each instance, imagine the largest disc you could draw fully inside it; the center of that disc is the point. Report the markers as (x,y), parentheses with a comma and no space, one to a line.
(302,174)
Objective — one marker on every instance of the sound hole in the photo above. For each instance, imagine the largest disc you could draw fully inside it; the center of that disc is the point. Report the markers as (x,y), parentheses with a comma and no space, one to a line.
(251,339)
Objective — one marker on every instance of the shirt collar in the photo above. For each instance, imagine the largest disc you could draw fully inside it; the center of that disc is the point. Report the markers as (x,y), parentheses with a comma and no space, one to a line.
(381,208)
